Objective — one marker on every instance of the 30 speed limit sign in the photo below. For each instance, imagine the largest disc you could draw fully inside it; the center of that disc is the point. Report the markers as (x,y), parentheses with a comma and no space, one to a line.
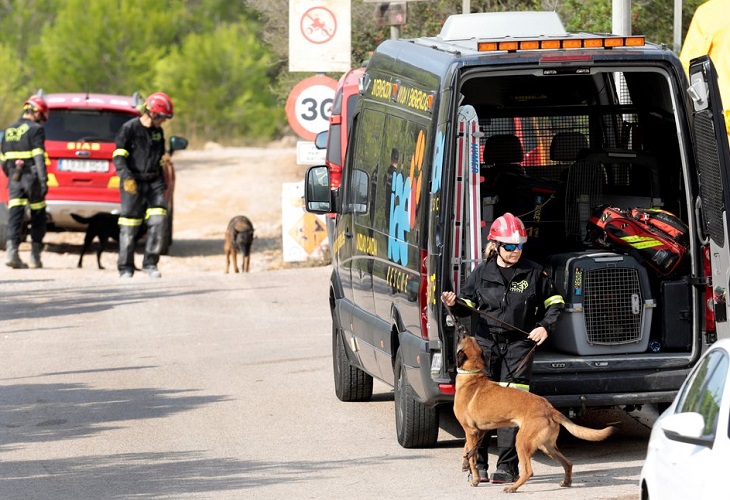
(309,106)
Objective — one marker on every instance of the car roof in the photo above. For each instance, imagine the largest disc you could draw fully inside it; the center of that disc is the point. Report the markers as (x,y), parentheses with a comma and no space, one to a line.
(90,101)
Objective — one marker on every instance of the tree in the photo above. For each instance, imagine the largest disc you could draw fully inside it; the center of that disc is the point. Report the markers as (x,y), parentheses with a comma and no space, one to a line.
(105,45)
(230,94)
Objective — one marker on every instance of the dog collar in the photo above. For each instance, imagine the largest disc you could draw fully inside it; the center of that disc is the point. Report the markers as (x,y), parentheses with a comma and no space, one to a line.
(461,371)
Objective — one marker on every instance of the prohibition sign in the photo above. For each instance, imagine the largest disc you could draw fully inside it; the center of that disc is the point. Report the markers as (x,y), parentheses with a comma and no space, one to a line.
(309,105)
(318,25)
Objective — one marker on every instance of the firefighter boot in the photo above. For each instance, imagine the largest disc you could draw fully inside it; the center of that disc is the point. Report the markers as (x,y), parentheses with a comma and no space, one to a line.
(35,255)
(156,225)
(125,263)
(11,256)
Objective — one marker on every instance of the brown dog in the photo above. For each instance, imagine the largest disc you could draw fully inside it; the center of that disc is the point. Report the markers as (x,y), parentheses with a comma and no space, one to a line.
(481,405)
(239,236)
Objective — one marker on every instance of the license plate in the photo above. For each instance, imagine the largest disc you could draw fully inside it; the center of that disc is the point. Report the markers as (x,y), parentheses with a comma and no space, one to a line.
(83,165)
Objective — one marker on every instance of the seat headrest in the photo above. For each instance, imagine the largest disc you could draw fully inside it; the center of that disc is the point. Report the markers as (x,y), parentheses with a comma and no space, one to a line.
(503,148)
(566,145)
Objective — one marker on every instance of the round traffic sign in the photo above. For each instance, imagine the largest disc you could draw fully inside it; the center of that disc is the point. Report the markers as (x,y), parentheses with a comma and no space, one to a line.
(309,106)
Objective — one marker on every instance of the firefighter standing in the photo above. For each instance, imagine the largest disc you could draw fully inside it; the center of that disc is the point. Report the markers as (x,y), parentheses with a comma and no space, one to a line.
(519,293)
(138,158)
(24,163)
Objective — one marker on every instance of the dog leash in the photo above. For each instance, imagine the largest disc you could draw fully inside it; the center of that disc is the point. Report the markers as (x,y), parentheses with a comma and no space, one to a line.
(462,329)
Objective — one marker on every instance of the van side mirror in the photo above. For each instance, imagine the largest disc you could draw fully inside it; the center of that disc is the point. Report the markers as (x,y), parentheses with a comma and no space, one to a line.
(320,140)
(177,143)
(317,193)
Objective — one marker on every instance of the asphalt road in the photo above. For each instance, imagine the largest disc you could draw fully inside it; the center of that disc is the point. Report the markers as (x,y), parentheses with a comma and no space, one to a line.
(212,386)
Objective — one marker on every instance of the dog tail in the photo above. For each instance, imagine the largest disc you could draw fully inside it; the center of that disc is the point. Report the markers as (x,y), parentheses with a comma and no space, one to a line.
(80,219)
(584,432)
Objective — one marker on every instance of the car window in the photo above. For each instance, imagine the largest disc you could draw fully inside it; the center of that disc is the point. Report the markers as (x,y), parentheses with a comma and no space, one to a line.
(84,125)
(703,392)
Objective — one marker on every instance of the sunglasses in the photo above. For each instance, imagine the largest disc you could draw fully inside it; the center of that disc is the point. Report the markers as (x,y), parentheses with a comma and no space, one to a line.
(511,247)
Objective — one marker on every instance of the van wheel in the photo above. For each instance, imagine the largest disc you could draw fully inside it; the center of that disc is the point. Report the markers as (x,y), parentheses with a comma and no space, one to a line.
(351,383)
(417,425)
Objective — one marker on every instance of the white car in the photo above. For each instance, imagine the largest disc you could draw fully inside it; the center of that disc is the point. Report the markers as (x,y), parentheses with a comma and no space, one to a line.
(689,447)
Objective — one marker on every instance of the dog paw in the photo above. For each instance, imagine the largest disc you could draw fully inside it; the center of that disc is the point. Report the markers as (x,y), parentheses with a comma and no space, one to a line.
(565,484)
(510,489)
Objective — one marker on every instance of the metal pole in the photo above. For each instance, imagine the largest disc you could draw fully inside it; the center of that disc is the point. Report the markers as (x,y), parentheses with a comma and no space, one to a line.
(677,25)
(465,6)
(394,32)
(621,17)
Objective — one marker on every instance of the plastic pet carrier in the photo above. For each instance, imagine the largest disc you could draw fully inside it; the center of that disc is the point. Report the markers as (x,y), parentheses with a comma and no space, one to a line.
(608,303)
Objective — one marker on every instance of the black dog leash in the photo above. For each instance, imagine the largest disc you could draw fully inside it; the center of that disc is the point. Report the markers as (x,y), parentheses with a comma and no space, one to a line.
(462,328)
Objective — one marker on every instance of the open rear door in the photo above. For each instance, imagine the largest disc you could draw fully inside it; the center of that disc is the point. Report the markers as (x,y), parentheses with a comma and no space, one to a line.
(708,126)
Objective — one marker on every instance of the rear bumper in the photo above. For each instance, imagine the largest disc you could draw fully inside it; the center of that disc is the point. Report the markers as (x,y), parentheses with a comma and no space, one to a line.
(59,213)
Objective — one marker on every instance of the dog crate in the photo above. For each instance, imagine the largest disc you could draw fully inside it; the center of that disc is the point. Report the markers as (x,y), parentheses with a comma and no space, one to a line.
(608,302)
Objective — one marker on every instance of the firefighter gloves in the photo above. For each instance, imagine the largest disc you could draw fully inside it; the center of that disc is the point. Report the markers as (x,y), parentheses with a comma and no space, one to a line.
(130,186)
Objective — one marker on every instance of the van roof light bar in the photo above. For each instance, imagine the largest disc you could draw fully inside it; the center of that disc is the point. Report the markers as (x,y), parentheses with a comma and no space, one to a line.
(573,42)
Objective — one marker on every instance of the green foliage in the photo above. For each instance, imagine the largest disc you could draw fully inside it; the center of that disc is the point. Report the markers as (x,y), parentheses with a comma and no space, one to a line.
(105,45)
(224,63)
(229,95)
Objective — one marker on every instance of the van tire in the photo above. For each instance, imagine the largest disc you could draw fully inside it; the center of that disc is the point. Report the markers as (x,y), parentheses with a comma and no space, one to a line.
(417,425)
(351,383)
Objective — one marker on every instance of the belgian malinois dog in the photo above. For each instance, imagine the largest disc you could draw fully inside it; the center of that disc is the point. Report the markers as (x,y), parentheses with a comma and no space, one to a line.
(239,237)
(481,405)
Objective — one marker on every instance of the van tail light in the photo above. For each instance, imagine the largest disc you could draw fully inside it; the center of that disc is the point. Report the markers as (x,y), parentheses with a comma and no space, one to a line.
(423,294)
(710,327)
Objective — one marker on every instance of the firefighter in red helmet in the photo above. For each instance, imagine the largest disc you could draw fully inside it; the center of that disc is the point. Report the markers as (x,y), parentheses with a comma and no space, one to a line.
(138,158)
(24,163)
(520,306)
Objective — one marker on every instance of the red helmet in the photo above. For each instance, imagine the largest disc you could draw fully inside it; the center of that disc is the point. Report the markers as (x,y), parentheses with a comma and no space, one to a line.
(508,229)
(36,103)
(159,104)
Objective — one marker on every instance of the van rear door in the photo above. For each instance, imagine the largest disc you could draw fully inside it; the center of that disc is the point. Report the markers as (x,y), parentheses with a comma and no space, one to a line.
(710,137)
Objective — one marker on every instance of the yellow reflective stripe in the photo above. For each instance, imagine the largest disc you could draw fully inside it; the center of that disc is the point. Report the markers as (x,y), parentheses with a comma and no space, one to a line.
(155,211)
(17,202)
(470,303)
(113,182)
(124,221)
(2,157)
(47,159)
(38,205)
(640,242)
(515,385)
(19,155)
(120,152)
(52,181)
(38,151)
(555,299)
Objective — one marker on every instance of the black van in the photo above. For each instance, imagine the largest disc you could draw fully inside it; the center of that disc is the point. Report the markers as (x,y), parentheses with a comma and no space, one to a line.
(438,150)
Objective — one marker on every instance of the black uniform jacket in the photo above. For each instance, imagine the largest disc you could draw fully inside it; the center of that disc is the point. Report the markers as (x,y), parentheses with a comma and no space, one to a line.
(139,151)
(529,300)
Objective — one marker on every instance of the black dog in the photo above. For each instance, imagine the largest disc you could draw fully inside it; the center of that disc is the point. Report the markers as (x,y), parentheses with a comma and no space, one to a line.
(102,225)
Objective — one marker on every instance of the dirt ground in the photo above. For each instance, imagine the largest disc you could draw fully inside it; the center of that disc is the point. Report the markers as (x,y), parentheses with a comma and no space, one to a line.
(212,185)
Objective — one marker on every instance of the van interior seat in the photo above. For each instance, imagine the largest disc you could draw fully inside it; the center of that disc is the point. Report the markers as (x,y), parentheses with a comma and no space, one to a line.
(565,147)
(503,154)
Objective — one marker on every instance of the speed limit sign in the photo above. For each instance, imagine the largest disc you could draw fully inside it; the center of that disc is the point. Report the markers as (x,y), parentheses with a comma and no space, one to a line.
(309,106)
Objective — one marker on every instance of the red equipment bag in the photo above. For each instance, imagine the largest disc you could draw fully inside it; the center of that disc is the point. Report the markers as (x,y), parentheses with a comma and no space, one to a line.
(655,237)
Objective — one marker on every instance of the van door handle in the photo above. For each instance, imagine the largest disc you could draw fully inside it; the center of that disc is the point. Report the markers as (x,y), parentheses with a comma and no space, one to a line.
(348,234)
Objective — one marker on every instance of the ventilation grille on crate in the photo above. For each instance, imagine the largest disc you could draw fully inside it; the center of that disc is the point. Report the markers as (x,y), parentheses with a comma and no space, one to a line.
(613,306)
